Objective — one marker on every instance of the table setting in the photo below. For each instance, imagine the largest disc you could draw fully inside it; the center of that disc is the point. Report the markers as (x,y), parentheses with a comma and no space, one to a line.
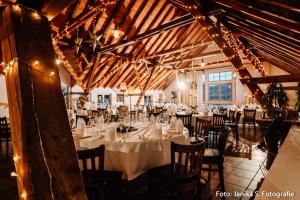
(133,152)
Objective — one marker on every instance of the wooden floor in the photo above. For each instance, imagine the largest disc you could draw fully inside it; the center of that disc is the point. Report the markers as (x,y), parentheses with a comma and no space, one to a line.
(242,172)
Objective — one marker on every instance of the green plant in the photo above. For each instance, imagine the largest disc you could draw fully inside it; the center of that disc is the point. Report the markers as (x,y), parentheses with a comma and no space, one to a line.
(275,101)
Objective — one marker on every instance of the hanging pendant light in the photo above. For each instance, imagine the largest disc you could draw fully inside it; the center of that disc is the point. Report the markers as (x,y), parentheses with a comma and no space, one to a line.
(203,63)
(117,33)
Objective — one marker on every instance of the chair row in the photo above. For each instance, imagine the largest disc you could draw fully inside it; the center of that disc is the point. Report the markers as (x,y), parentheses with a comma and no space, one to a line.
(182,175)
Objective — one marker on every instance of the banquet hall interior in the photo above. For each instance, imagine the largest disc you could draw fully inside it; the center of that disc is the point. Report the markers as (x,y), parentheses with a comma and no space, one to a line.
(149,99)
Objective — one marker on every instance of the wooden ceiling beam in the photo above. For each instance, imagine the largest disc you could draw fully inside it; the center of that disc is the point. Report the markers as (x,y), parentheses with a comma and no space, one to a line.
(160,79)
(256,20)
(190,58)
(290,14)
(259,15)
(212,30)
(180,21)
(278,63)
(140,46)
(297,88)
(275,41)
(271,50)
(271,79)
(53,7)
(290,5)
(283,57)
(282,39)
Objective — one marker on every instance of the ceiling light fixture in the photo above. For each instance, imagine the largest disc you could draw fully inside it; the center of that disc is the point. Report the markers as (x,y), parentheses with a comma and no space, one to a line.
(117,33)
(202,63)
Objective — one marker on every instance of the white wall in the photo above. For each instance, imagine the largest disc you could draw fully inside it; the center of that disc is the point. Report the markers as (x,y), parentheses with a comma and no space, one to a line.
(114,91)
(242,94)
(3,97)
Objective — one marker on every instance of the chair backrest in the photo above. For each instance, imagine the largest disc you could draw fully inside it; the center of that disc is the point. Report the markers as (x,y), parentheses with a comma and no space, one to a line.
(4,127)
(92,164)
(71,121)
(186,119)
(223,110)
(218,120)
(202,127)
(231,115)
(95,113)
(158,109)
(249,115)
(218,139)
(238,117)
(186,160)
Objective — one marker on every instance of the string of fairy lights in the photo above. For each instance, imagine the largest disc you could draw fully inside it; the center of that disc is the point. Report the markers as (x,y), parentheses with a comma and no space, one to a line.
(34,66)
(227,41)
(249,55)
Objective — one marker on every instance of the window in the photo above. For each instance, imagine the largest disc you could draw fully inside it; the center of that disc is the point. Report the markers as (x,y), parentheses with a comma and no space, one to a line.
(220,92)
(214,76)
(226,92)
(147,100)
(213,92)
(220,76)
(225,76)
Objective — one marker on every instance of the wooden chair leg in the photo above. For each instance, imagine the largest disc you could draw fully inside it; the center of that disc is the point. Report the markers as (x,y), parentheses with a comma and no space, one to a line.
(209,170)
(7,148)
(237,137)
(221,176)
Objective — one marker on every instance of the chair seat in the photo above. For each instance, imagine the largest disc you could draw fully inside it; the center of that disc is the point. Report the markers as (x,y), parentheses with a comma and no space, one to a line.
(211,152)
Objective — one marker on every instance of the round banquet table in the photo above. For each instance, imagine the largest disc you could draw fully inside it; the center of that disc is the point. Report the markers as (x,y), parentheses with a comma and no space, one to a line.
(134,155)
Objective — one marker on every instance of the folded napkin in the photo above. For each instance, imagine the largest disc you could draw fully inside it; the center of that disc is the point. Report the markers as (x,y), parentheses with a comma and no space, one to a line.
(157,131)
(172,122)
(81,127)
(100,122)
(110,135)
(179,126)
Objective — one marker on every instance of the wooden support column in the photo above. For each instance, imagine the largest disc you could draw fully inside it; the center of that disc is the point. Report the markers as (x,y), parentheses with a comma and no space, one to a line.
(44,151)
(145,86)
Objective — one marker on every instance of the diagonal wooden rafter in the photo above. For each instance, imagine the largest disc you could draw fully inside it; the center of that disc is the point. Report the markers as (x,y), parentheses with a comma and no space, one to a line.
(270,79)
(195,8)
(145,87)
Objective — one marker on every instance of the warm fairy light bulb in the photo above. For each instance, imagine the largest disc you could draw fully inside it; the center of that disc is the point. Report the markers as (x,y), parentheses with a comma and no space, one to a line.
(52,73)
(58,61)
(24,195)
(35,62)
(16,157)
(116,34)
(35,14)
(11,62)
(13,174)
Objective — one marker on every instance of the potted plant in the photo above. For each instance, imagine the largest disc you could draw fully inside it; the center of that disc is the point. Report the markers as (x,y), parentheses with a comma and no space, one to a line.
(275,105)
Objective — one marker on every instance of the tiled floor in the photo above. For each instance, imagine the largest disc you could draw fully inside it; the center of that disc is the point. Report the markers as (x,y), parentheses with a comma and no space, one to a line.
(242,171)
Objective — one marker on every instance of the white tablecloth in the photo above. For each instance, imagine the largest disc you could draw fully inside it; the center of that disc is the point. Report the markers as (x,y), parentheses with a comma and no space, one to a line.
(134,156)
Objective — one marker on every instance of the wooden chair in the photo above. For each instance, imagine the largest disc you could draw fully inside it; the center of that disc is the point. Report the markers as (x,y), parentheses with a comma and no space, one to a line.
(231,116)
(218,122)
(249,118)
(159,109)
(235,126)
(201,127)
(187,121)
(214,152)
(95,113)
(5,134)
(93,174)
(223,110)
(182,175)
